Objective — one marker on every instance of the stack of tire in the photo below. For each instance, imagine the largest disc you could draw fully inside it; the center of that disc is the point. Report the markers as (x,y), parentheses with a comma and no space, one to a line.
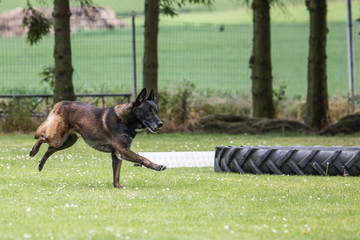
(296,160)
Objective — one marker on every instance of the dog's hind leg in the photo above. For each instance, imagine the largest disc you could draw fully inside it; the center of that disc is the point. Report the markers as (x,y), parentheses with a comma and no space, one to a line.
(47,154)
(40,135)
(116,164)
(71,140)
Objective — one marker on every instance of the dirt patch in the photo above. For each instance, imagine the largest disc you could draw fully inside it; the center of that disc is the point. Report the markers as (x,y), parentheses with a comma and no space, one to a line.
(90,18)
(239,125)
(348,124)
(231,124)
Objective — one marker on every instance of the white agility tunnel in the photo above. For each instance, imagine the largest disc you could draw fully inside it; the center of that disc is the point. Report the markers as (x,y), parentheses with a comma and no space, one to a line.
(181,159)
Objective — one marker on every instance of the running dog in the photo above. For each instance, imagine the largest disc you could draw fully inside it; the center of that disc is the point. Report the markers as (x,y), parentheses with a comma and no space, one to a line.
(105,129)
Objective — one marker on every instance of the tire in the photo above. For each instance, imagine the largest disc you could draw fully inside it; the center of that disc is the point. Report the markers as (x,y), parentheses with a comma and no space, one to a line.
(317,160)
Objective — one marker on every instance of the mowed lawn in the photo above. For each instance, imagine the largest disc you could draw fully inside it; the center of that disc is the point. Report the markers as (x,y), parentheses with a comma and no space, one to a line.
(190,47)
(73,197)
(214,61)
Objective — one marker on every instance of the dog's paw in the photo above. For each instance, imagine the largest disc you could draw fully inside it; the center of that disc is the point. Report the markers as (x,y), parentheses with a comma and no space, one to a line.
(118,185)
(32,153)
(160,168)
(40,167)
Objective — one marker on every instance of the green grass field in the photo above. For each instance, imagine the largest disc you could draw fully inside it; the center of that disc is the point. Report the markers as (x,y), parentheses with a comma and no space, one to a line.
(213,60)
(221,11)
(73,198)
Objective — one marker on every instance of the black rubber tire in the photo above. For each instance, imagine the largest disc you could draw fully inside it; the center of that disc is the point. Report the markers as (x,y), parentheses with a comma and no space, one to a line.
(297,160)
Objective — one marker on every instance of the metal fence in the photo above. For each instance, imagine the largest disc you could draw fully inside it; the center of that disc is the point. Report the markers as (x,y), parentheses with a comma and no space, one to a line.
(214,57)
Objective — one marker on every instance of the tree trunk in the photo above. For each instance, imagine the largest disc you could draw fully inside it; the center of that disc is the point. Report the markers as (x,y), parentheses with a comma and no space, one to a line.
(150,60)
(317,98)
(63,70)
(260,61)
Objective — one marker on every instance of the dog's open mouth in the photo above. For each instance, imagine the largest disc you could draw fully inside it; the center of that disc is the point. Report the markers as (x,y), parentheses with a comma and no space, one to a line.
(148,125)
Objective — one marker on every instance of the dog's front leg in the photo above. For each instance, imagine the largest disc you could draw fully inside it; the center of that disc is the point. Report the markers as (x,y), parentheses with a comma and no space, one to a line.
(129,155)
(116,164)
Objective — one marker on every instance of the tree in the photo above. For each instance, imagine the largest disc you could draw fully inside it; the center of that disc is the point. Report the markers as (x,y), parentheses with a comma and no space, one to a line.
(63,69)
(38,26)
(260,61)
(150,60)
(317,97)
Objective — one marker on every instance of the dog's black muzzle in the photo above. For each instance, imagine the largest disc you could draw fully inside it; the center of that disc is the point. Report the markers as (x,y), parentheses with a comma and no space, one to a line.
(153,127)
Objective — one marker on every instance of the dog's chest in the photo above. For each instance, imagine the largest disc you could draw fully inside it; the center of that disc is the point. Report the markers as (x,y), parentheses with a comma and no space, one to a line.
(106,145)
(100,145)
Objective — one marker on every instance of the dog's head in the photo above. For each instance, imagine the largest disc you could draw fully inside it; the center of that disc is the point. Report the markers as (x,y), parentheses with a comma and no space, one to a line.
(145,111)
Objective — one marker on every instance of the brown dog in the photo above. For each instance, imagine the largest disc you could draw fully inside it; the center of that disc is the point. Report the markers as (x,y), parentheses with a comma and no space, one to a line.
(105,129)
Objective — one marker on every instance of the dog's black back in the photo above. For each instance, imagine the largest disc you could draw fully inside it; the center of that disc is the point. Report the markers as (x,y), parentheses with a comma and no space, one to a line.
(99,126)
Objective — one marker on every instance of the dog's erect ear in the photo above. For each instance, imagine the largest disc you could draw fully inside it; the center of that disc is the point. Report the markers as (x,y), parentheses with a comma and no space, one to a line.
(151,95)
(141,97)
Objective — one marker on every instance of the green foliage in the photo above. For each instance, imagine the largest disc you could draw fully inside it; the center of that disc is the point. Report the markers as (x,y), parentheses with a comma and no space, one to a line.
(86,3)
(279,100)
(231,104)
(167,7)
(37,24)
(176,106)
(16,116)
(181,102)
(279,93)
(163,103)
(48,76)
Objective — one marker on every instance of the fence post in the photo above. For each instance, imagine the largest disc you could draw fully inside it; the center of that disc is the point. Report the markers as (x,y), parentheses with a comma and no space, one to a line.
(133,50)
(350,56)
